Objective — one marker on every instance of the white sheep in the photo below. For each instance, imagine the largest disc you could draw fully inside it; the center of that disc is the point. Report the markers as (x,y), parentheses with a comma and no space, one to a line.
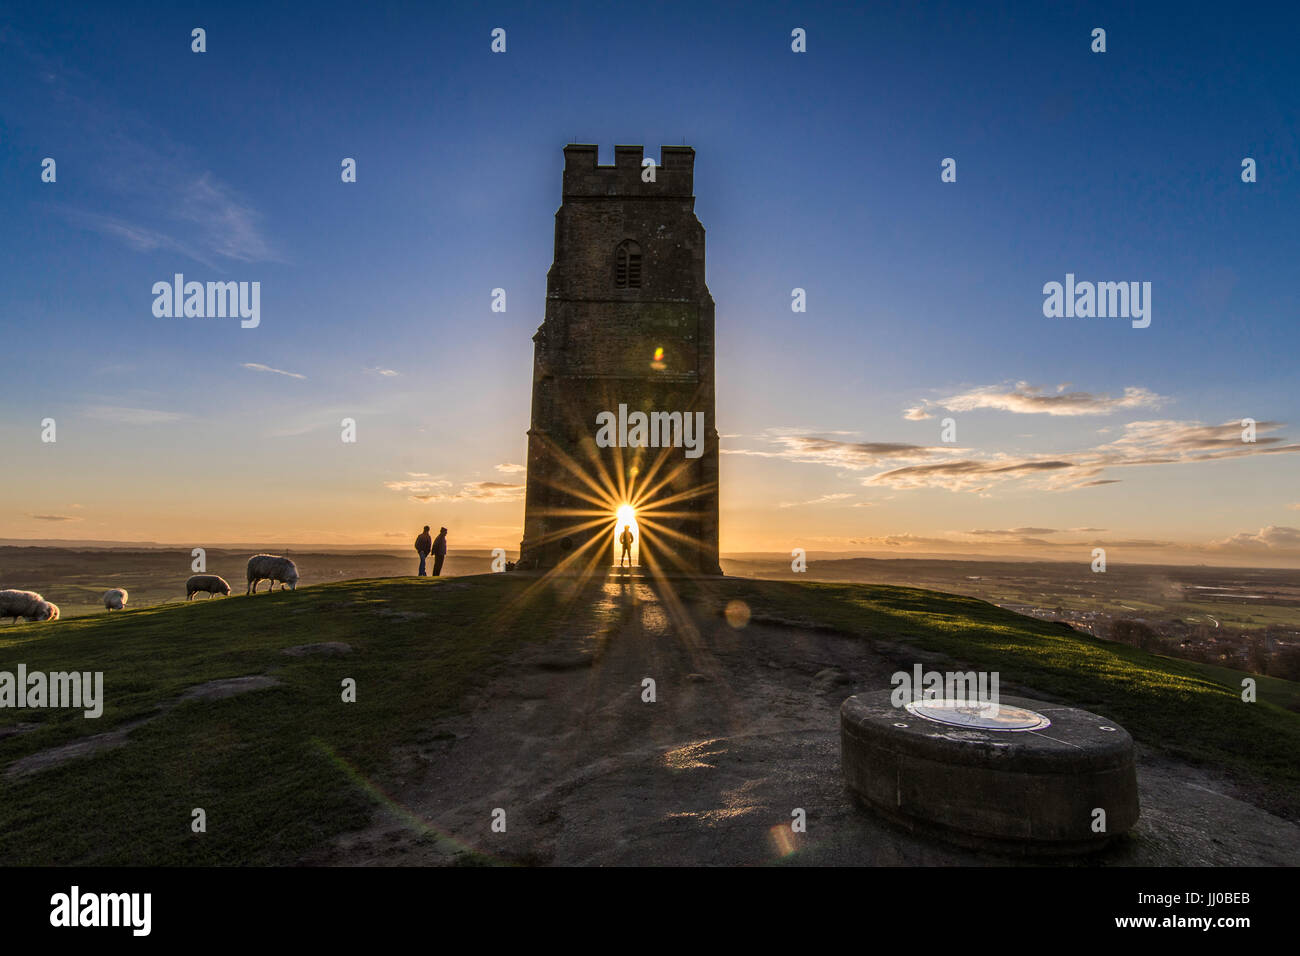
(28,605)
(44,611)
(115,599)
(210,583)
(271,567)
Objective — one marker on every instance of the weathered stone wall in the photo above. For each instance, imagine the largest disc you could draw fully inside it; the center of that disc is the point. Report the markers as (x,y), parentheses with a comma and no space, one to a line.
(597,349)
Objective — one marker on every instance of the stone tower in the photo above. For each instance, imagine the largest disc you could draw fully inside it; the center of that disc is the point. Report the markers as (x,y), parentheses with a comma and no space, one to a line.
(628,328)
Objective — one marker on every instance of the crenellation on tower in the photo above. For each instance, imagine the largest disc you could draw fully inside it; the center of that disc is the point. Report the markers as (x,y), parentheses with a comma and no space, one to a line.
(677,158)
(584,178)
(629,157)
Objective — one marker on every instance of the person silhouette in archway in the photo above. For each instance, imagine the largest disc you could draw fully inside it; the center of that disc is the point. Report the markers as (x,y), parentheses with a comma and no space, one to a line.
(625,539)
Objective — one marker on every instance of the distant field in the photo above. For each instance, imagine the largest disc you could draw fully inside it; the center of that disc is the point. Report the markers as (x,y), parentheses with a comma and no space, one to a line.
(76,580)
(1185,601)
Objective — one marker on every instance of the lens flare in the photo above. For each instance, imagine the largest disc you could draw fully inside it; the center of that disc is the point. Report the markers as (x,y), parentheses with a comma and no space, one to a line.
(737,614)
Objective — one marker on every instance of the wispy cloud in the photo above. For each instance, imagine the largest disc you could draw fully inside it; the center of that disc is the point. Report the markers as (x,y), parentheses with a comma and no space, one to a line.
(427,491)
(226,225)
(385,372)
(483,492)
(216,226)
(969,474)
(138,237)
(1177,438)
(1031,536)
(152,193)
(1025,399)
(853,456)
(420,486)
(824,499)
(509,468)
(305,417)
(121,415)
(491,491)
(55,517)
(1143,443)
(905,540)
(1013,532)
(1272,540)
(259,367)
(907,466)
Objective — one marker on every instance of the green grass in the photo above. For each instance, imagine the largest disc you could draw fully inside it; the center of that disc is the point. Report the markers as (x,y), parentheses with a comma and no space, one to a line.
(278,771)
(283,770)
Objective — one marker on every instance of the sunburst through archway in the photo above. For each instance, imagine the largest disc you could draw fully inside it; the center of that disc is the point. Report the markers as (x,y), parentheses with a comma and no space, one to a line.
(636,488)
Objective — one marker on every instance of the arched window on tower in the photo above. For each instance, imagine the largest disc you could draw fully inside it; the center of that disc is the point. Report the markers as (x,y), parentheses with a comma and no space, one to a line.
(627,265)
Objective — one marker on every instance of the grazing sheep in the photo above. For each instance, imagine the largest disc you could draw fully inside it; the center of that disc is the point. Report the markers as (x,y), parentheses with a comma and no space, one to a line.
(28,605)
(270,567)
(115,599)
(16,604)
(210,583)
(43,611)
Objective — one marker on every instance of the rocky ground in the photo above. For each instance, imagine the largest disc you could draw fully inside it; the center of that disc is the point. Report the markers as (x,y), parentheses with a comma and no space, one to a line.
(743,731)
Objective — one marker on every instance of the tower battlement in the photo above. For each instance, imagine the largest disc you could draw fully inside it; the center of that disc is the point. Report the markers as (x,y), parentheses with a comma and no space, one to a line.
(584,177)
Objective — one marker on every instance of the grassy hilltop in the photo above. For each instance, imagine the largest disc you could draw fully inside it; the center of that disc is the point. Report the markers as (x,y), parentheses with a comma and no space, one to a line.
(281,770)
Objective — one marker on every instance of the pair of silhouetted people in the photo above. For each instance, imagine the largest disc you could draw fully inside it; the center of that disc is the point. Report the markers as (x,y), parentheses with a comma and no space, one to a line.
(438,546)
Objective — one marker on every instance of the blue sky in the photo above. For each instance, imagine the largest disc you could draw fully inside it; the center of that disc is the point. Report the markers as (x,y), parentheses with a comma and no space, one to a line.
(816,170)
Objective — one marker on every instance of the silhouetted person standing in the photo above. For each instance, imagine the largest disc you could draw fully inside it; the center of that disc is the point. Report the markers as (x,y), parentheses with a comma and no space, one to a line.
(625,539)
(439,551)
(423,545)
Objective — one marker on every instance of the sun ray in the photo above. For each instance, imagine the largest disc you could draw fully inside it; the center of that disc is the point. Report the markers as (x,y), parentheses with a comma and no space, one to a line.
(657,463)
(687,495)
(664,529)
(602,503)
(621,473)
(572,529)
(667,479)
(649,532)
(578,471)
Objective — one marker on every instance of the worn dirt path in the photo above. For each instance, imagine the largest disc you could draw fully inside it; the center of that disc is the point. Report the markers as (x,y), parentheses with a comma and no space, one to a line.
(744,730)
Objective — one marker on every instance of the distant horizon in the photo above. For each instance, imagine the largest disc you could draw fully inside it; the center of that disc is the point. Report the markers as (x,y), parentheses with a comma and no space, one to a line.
(1116,559)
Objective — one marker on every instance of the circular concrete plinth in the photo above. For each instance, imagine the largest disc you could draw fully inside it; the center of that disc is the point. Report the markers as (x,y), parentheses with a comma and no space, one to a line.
(1026,777)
